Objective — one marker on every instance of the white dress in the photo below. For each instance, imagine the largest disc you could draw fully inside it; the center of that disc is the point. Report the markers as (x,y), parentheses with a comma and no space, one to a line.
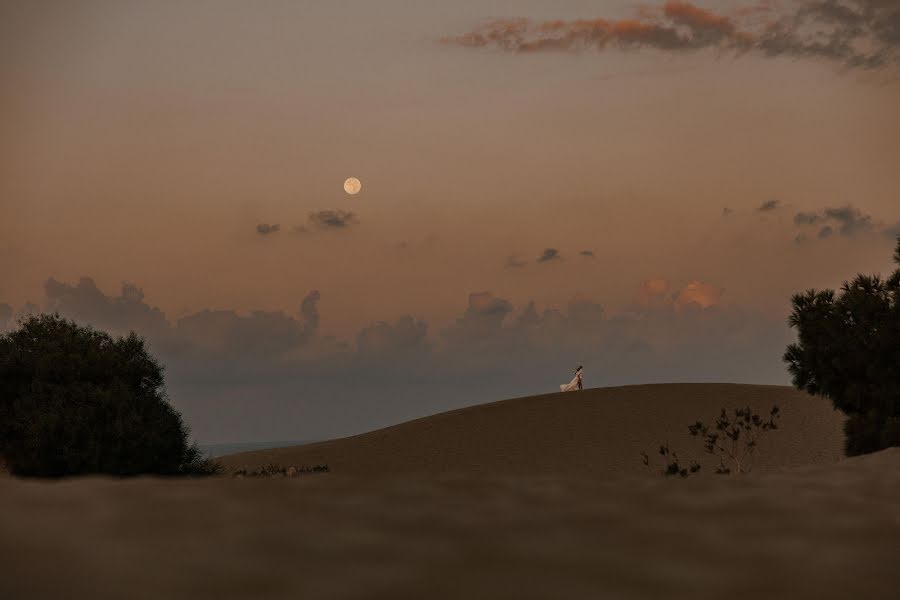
(572,385)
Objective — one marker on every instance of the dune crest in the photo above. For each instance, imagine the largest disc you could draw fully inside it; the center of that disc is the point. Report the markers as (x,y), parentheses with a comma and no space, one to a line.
(597,431)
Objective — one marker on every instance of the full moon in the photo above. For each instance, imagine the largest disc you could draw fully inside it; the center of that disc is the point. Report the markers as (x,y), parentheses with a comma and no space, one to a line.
(352,186)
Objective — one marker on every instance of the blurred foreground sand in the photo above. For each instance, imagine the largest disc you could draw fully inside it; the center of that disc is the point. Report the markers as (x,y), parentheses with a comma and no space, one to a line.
(815,532)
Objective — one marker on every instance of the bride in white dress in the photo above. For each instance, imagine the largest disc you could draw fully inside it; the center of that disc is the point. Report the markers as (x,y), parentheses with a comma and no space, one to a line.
(575,384)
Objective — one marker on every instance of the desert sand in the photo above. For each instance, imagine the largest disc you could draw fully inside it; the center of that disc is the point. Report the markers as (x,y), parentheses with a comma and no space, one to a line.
(595,432)
(481,522)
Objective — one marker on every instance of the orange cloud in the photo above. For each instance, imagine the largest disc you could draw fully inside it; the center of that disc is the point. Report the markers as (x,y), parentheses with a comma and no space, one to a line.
(652,293)
(697,18)
(699,294)
(658,293)
(814,30)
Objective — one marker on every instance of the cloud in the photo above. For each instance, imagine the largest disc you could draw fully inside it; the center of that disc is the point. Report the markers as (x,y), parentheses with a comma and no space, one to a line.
(224,334)
(652,293)
(851,220)
(205,347)
(549,255)
(406,339)
(332,219)
(698,294)
(513,262)
(245,375)
(584,313)
(768,206)
(807,218)
(484,304)
(855,33)
(483,316)
(688,337)
(309,312)
(267,229)
(659,294)
(844,220)
(85,302)
(587,253)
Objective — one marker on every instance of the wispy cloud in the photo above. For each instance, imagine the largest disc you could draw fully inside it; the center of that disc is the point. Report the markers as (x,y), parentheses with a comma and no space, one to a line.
(855,33)
(807,218)
(332,219)
(514,262)
(549,255)
(268,228)
(846,220)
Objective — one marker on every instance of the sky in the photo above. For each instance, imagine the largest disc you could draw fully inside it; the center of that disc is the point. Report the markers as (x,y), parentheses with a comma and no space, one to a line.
(635,187)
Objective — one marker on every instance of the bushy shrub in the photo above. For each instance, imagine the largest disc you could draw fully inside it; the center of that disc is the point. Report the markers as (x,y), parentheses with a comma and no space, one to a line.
(848,350)
(732,438)
(74,400)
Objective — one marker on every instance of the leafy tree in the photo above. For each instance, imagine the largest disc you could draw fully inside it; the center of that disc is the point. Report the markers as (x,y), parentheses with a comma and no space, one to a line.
(74,400)
(848,349)
(734,437)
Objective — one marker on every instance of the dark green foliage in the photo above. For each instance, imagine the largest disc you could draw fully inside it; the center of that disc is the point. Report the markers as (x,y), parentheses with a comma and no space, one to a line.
(734,437)
(74,401)
(848,349)
(197,465)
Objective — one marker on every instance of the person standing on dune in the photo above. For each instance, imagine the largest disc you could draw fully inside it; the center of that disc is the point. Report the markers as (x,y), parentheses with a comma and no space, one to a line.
(576,383)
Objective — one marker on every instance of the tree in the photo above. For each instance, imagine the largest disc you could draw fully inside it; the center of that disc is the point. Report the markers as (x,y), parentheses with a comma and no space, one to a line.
(74,400)
(848,350)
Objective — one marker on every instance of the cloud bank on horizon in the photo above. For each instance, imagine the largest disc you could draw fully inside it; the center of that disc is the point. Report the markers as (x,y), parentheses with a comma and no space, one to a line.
(398,369)
(854,33)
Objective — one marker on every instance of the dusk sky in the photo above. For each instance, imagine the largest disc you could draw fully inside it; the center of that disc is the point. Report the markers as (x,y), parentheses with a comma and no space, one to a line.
(636,187)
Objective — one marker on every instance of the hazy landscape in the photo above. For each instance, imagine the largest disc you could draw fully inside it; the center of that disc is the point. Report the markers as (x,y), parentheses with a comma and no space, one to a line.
(543,497)
(500,299)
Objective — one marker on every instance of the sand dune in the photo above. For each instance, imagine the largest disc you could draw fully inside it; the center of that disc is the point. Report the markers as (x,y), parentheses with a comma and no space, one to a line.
(533,498)
(598,431)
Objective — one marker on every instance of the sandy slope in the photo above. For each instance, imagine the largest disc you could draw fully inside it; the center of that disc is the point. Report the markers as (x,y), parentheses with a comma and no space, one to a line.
(824,532)
(597,431)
